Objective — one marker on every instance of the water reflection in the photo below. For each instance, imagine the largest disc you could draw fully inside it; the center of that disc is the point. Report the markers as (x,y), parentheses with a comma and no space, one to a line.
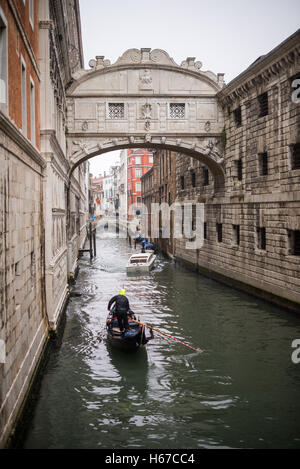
(243,392)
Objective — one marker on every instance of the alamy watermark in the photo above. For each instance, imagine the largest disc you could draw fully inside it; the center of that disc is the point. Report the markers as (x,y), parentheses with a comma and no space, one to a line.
(296,353)
(177,221)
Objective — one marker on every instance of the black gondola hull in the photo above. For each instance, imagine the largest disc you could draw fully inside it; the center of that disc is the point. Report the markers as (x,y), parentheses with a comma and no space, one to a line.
(129,340)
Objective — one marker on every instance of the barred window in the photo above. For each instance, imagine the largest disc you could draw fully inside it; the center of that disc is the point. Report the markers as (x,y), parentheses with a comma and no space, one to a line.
(239,169)
(294,242)
(238,116)
(263,104)
(219,232)
(236,234)
(116,111)
(263,163)
(205,177)
(177,111)
(296,156)
(261,238)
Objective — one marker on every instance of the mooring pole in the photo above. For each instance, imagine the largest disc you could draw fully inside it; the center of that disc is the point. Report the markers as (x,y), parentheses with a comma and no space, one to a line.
(94,239)
(91,243)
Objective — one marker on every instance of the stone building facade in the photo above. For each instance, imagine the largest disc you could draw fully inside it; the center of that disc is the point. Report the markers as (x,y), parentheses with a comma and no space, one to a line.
(252,232)
(40,49)
(159,186)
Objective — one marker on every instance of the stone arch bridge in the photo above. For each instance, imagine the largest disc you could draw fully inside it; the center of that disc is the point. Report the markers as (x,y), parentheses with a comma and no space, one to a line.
(146,100)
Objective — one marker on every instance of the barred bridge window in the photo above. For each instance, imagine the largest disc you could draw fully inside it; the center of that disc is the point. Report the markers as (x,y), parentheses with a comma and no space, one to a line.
(177,111)
(116,110)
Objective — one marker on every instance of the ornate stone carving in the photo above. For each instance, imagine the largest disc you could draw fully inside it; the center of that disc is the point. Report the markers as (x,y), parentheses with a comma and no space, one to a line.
(82,146)
(145,80)
(190,64)
(207,126)
(146,113)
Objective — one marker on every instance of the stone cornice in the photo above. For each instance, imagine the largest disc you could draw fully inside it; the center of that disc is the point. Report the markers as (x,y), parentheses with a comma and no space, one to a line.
(147,59)
(24,37)
(13,132)
(264,71)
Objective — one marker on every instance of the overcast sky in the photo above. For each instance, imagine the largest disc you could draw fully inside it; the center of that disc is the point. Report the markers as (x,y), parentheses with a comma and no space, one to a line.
(226,36)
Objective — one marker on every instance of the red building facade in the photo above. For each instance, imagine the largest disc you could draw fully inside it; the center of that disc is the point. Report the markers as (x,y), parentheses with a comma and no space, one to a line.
(139,161)
(19,66)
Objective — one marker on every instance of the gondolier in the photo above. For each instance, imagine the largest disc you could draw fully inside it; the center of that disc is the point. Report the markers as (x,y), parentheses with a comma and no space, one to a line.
(121,309)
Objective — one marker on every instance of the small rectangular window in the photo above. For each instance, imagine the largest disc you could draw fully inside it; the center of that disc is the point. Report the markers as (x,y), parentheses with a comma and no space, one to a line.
(238,116)
(182,182)
(261,238)
(294,242)
(205,230)
(194,213)
(31,13)
(205,177)
(239,169)
(263,163)
(193,180)
(24,99)
(219,232)
(116,111)
(263,104)
(137,160)
(32,111)
(295,151)
(177,110)
(138,173)
(236,234)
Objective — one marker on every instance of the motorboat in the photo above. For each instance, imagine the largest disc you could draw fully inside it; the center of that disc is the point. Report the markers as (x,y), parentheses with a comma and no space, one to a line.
(141,262)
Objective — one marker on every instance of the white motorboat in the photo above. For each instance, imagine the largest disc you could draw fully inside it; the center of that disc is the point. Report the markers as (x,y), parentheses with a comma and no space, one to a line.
(142,262)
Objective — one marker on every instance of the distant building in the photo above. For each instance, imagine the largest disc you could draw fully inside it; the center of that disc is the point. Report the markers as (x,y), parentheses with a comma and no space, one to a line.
(121,190)
(139,161)
(108,194)
(96,190)
(159,186)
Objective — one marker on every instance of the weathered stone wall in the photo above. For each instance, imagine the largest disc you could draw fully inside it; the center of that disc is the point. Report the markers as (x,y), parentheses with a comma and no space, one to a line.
(23,323)
(254,198)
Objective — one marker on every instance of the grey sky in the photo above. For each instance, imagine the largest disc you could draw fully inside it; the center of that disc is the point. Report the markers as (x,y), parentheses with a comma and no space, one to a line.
(226,36)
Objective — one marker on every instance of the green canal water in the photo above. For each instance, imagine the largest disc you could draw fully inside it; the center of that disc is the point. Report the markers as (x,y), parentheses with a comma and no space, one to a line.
(243,392)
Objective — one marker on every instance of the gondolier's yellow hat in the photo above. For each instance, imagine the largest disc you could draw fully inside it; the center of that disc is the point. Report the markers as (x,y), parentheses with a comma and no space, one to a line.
(122,292)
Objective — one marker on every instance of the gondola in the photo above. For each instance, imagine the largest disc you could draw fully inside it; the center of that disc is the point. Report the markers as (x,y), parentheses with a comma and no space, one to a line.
(132,339)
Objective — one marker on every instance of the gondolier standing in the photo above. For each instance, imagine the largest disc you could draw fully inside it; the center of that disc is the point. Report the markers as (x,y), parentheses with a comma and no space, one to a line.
(121,309)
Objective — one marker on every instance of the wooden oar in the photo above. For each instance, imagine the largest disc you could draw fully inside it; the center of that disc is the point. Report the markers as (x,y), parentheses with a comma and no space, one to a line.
(169,336)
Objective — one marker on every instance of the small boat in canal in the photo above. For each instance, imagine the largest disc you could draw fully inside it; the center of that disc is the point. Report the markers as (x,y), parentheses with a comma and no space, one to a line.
(141,262)
(131,339)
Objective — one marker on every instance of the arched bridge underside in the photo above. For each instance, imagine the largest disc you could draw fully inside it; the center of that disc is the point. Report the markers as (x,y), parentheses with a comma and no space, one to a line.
(146,100)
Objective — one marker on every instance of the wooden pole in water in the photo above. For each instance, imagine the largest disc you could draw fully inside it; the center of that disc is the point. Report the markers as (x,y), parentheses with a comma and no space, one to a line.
(94,239)
(91,245)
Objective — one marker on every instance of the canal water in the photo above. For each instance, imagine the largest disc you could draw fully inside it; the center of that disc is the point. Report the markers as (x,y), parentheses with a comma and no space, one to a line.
(242,392)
